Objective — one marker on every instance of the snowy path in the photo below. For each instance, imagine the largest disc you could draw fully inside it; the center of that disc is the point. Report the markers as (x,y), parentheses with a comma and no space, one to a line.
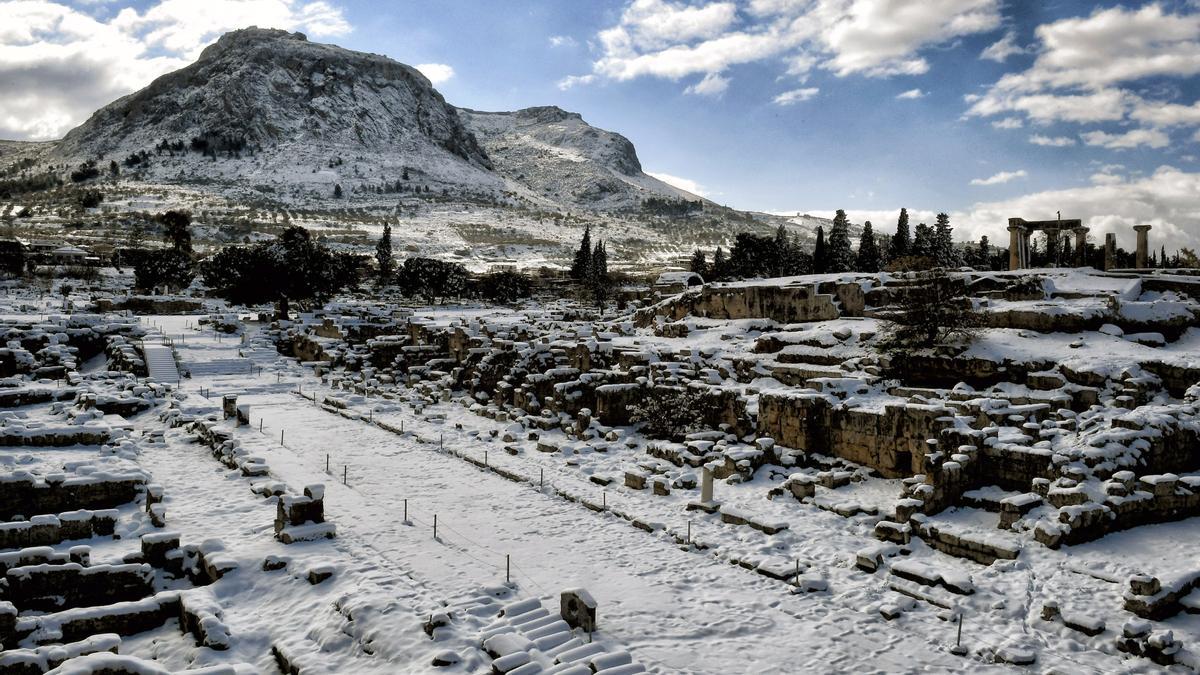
(680,611)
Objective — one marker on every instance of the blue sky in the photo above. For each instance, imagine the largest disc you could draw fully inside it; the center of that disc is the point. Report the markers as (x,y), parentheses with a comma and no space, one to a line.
(983,108)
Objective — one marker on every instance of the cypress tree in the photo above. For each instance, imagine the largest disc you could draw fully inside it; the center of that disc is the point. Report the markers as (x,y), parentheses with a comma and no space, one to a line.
(718,264)
(699,264)
(901,241)
(337,191)
(383,255)
(819,252)
(583,257)
(841,256)
(869,259)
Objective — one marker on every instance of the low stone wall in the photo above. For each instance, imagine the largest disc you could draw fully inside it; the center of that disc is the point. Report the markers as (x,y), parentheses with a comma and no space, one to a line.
(27,496)
(893,442)
(50,530)
(783,304)
(48,587)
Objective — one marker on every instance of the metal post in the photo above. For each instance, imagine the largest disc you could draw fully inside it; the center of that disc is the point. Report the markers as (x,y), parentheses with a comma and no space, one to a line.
(604,500)
(435,526)
(345,469)
(281,436)
(797,571)
(689,537)
(327,462)
(260,425)
(485,462)
(507,569)
(958,640)
(541,478)
(406,510)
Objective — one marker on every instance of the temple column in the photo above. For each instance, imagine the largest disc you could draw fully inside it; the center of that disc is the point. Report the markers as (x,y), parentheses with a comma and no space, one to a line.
(1014,246)
(1080,246)
(1143,246)
(1110,251)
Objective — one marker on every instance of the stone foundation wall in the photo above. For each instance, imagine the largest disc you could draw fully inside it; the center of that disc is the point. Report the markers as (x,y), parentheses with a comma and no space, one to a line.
(893,442)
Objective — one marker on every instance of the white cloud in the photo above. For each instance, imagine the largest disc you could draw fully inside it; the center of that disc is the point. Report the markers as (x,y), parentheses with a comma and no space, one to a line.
(1085,65)
(562,41)
(1008,123)
(1134,138)
(436,72)
(1165,200)
(672,39)
(1000,178)
(1003,48)
(1105,178)
(1051,141)
(686,184)
(910,94)
(59,64)
(796,96)
(1161,114)
(571,81)
(712,85)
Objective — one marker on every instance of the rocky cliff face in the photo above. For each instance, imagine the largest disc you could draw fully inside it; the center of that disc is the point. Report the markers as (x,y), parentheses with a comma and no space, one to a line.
(274,92)
(558,155)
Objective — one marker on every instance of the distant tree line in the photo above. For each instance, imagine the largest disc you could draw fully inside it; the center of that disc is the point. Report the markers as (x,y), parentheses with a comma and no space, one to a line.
(921,248)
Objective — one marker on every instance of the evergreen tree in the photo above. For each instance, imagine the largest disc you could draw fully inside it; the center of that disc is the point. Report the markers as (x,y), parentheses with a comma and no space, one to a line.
(583,257)
(901,241)
(840,255)
(922,244)
(598,282)
(114,169)
(177,228)
(869,258)
(337,191)
(983,255)
(819,258)
(720,266)
(944,254)
(383,255)
(699,264)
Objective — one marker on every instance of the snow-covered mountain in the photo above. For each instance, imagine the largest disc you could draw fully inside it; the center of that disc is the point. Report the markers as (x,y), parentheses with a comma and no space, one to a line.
(559,156)
(265,107)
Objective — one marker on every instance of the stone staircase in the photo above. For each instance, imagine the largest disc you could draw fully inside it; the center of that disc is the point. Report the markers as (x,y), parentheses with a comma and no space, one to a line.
(160,363)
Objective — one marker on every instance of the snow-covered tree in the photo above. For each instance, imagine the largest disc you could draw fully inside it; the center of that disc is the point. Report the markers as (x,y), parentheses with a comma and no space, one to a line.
(869,258)
(944,254)
(839,255)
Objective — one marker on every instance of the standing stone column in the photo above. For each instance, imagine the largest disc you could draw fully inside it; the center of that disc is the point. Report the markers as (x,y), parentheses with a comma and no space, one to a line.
(1143,246)
(1015,239)
(1080,246)
(706,486)
(1110,251)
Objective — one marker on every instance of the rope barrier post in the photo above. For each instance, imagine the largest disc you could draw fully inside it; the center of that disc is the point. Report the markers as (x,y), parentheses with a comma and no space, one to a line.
(441,441)
(327,462)
(958,649)
(435,526)
(281,436)
(541,478)
(345,470)
(797,571)
(604,500)
(507,568)
(689,537)
(406,510)
(485,462)
(260,425)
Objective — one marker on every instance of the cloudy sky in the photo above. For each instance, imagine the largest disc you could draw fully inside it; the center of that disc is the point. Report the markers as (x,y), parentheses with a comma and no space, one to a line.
(983,108)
